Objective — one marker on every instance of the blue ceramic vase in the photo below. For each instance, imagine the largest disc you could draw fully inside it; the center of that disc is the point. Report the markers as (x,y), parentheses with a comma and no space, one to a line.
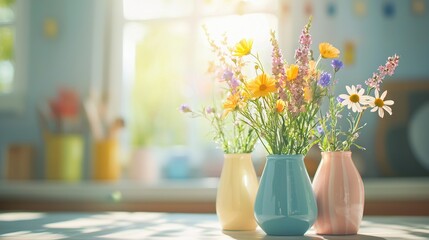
(285,204)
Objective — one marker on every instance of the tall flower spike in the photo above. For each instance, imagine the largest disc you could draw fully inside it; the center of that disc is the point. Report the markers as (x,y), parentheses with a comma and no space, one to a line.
(297,86)
(388,69)
(278,66)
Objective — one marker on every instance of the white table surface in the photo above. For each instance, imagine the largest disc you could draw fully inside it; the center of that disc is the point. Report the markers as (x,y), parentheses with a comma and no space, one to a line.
(141,225)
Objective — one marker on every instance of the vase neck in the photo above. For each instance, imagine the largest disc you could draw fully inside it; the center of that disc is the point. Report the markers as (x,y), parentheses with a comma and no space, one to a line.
(337,155)
(285,157)
(237,156)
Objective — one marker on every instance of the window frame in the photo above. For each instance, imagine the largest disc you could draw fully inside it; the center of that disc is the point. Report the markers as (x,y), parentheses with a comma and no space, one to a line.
(15,100)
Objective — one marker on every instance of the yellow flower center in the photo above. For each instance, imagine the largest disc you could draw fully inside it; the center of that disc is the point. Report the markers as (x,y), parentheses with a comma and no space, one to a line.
(378,102)
(262,87)
(354,98)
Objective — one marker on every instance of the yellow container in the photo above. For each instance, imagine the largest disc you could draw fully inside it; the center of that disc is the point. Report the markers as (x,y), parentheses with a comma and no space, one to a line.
(63,155)
(105,160)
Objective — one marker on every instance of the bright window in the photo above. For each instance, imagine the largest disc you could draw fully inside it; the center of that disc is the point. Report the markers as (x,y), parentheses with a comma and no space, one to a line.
(166,56)
(7,39)
(12,50)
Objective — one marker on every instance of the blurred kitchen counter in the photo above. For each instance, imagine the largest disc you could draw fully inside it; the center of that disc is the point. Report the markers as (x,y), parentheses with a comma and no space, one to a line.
(384,196)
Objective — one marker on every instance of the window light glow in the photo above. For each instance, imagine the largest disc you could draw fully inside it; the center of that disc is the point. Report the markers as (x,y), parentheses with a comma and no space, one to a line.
(19,216)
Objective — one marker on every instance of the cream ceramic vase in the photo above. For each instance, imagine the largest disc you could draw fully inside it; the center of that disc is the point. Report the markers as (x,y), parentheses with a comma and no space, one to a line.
(236,193)
(340,195)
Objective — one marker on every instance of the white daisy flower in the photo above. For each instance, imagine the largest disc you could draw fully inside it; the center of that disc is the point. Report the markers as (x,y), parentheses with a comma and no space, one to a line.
(355,98)
(378,103)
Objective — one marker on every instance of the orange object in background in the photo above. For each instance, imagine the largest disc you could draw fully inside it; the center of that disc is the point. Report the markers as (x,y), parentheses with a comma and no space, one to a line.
(106,165)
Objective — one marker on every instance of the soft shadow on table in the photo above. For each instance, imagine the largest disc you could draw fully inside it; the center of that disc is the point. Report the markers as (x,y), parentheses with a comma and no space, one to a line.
(406,227)
(242,235)
(351,237)
(258,235)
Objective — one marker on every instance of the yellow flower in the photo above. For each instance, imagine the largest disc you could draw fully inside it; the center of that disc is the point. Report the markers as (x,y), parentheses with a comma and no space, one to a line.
(280,106)
(312,71)
(243,48)
(231,103)
(308,94)
(261,86)
(292,72)
(328,51)
(246,95)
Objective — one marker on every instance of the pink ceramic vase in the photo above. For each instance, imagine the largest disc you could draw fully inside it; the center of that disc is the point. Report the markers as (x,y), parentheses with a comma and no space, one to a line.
(340,195)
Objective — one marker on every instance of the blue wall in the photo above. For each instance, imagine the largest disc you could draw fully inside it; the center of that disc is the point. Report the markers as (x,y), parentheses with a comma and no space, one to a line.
(52,63)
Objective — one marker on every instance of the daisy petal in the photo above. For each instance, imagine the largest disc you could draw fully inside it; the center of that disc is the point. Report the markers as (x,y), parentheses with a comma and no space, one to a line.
(383,95)
(361,91)
(349,90)
(389,102)
(388,109)
(367,99)
(381,112)
(358,108)
(377,95)
(374,109)
(352,106)
(344,96)
(346,101)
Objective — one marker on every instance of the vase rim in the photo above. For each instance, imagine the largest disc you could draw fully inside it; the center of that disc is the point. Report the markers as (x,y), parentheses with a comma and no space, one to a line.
(292,157)
(278,155)
(337,152)
(237,154)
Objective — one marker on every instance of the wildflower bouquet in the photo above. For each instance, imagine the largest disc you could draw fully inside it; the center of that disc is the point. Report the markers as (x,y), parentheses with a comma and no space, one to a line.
(331,136)
(280,105)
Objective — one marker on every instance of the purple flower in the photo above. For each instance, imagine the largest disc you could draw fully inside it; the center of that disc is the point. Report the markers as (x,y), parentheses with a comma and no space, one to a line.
(234,84)
(358,87)
(340,100)
(325,79)
(305,39)
(227,75)
(185,108)
(210,110)
(336,64)
(320,129)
